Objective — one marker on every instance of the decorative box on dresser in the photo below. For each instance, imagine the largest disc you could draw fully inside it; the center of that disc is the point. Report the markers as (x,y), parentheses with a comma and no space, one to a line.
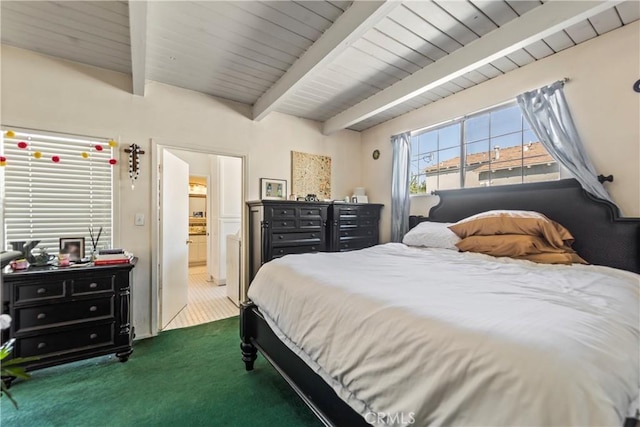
(281,227)
(354,226)
(66,314)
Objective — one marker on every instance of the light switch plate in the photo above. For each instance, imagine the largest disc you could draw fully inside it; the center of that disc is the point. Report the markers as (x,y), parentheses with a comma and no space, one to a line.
(139,219)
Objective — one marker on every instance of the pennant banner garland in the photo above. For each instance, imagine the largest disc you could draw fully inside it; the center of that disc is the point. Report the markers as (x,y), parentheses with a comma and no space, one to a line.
(55,158)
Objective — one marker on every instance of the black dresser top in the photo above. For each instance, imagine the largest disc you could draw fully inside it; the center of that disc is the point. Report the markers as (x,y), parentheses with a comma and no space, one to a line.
(7,272)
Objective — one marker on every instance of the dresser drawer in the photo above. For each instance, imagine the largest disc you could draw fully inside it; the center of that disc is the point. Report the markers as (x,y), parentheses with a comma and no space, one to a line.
(309,223)
(73,340)
(302,249)
(348,222)
(358,211)
(367,222)
(358,232)
(311,212)
(280,239)
(353,244)
(39,291)
(93,284)
(55,314)
(284,224)
(282,212)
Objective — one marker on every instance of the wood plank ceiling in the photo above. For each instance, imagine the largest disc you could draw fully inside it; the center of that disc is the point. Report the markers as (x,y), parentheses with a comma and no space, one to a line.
(239,50)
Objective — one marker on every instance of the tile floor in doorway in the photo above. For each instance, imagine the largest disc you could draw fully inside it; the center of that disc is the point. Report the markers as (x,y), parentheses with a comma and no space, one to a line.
(207,302)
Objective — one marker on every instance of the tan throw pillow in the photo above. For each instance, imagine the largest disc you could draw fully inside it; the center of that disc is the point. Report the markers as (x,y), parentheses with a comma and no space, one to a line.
(513,222)
(554,258)
(509,245)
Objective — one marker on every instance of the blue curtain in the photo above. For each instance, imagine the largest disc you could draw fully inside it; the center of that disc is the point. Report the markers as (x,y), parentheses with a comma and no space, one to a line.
(400,186)
(547,111)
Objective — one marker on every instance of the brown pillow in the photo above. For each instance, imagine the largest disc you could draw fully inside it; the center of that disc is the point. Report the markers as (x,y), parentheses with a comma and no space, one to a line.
(513,222)
(510,245)
(554,258)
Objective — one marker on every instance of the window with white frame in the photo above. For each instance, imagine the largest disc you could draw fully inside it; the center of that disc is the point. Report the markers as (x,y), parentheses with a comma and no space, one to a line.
(56,186)
(493,147)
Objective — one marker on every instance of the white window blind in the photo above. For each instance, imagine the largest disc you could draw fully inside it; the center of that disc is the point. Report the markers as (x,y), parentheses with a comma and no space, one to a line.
(47,200)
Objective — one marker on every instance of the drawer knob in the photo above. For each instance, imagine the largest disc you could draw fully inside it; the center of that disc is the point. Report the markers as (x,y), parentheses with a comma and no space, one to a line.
(281,251)
(310,213)
(93,285)
(41,316)
(281,237)
(310,223)
(93,336)
(346,245)
(284,212)
(313,248)
(41,291)
(284,224)
(41,345)
(346,233)
(313,234)
(93,308)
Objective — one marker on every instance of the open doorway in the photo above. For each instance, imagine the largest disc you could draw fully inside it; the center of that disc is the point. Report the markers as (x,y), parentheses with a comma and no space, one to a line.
(193,227)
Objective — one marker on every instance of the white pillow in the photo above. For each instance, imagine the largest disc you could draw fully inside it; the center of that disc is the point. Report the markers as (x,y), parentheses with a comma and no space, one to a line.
(432,235)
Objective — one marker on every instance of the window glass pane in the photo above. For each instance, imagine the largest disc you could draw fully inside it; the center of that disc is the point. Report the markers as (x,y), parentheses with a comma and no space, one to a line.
(428,141)
(414,165)
(507,148)
(506,120)
(449,136)
(528,136)
(476,128)
(538,163)
(477,148)
(476,163)
(449,168)
(541,172)
(506,172)
(415,145)
(417,185)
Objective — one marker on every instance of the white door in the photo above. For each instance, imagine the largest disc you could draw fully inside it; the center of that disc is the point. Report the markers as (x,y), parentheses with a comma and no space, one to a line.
(174,216)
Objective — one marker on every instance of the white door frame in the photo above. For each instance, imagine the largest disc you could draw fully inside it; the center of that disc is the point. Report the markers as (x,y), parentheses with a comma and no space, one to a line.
(157,146)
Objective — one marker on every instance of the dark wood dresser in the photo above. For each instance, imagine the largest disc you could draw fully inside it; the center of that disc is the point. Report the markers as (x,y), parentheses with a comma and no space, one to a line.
(278,228)
(65,314)
(281,227)
(354,226)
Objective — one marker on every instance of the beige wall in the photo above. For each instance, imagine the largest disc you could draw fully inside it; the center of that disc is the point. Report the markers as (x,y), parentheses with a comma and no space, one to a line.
(45,93)
(605,109)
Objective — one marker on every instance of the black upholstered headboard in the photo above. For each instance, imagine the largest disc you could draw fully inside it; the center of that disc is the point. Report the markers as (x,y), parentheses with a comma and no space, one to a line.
(602,237)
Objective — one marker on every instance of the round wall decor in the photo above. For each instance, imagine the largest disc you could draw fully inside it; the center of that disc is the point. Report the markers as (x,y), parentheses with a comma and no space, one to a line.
(376,154)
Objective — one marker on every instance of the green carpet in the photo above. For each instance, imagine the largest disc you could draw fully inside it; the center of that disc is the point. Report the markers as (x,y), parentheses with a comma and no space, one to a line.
(185,377)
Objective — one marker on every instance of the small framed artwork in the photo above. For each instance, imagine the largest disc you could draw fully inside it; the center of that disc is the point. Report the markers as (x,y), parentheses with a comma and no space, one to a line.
(74,246)
(274,189)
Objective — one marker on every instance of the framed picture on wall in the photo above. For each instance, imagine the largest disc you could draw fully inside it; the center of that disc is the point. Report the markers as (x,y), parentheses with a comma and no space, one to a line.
(74,246)
(273,189)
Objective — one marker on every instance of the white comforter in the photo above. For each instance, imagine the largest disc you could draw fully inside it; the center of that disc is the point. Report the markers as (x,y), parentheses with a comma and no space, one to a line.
(446,338)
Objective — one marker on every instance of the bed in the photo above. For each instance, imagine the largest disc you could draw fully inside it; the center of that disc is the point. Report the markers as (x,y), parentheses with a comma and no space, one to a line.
(422,370)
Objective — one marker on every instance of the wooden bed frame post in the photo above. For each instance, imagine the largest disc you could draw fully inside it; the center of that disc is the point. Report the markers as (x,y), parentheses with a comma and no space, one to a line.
(247,331)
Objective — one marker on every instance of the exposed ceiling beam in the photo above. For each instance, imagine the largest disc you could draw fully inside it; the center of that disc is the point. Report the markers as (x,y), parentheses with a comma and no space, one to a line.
(138,36)
(359,18)
(544,20)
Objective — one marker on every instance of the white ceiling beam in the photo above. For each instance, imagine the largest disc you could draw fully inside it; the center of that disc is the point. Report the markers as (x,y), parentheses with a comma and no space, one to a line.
(551,17)
(359,18)
(138,36)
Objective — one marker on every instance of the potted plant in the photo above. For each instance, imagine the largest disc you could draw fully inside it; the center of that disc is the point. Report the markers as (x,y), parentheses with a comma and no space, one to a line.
(10,369)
